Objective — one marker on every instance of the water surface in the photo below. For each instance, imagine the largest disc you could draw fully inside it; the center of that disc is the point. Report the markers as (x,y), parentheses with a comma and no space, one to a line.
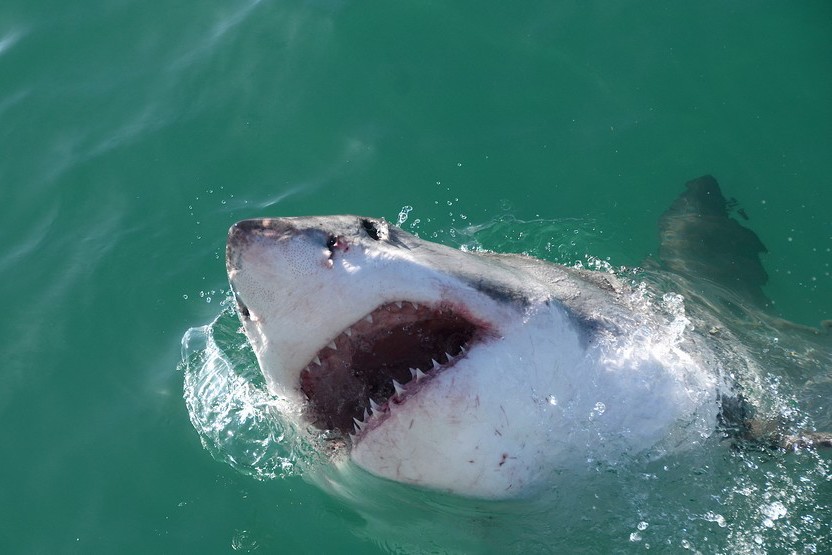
(134,133)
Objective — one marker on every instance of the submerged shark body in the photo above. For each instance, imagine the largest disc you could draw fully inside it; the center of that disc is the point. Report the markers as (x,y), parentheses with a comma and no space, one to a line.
(475,373)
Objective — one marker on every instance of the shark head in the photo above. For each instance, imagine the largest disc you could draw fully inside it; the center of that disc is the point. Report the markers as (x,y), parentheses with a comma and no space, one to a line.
(338,308)
(471,373)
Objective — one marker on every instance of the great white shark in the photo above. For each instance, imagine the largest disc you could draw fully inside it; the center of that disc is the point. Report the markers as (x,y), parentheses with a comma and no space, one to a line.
(484,374)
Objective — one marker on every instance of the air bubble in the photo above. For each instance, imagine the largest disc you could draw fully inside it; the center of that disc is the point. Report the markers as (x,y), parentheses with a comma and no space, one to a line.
(774,511)
(243,541)
(715,517)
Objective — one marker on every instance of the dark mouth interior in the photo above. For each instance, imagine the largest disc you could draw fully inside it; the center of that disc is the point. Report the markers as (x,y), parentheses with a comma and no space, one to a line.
(373,352)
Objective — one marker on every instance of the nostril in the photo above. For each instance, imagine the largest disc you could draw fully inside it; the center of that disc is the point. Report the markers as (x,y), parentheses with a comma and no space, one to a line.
(336,242)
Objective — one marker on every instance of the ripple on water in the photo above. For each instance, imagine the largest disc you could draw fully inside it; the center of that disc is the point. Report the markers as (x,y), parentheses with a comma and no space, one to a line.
(237,419)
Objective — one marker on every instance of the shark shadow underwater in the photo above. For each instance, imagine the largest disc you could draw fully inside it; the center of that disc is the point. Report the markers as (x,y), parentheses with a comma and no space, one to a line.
(487,375)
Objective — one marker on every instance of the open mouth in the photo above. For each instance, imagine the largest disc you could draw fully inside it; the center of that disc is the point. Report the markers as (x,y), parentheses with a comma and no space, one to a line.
(382,360)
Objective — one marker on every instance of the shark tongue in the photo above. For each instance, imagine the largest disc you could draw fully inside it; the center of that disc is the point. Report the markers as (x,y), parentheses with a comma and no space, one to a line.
(363,362)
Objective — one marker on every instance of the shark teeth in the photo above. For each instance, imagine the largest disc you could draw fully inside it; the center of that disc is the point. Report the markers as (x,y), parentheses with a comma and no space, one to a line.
(373,411)
(378,359)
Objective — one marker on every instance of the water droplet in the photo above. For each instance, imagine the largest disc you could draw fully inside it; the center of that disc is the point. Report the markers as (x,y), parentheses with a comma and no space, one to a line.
(774,510)
(403,215)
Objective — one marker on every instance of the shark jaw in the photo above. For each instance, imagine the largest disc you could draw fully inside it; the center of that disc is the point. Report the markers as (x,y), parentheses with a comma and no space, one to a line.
(381,361)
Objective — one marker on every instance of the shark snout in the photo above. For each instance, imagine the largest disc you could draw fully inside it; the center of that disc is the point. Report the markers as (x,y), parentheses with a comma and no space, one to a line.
(242,231)
(239,235)
(245,232)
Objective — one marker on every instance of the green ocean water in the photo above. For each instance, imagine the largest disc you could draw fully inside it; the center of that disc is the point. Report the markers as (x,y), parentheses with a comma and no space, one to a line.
(132,134)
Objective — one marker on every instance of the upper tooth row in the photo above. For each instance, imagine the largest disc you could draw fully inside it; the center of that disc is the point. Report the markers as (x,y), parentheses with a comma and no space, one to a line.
(334,347)
(400,304)
(368,318)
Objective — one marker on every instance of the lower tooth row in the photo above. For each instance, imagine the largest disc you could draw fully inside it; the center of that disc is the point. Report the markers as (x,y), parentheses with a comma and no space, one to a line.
(415,373)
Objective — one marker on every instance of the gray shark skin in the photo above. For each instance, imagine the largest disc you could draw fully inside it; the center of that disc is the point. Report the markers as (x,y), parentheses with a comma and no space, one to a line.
(487,375)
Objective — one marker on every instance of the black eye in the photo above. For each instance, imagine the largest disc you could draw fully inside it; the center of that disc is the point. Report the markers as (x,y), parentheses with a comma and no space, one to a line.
(371,229)
(331,242)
